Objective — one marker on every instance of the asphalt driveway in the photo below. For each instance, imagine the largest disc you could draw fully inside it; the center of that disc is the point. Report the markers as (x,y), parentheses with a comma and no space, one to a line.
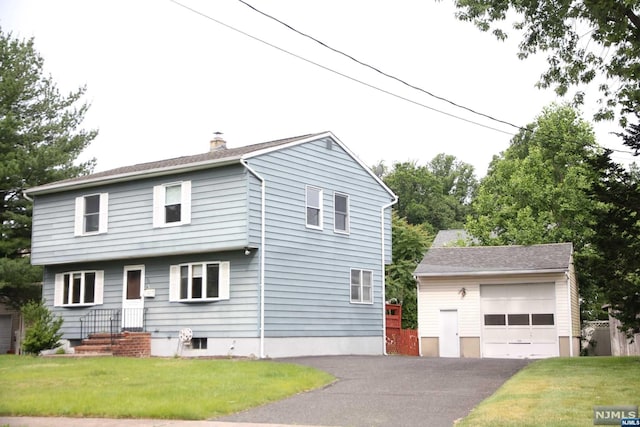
(388,391)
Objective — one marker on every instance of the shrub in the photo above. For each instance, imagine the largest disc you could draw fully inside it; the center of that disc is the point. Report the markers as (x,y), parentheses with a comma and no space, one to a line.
(42,328)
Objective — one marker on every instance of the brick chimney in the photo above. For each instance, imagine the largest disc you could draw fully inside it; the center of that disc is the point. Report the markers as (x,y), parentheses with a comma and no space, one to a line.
(217,143)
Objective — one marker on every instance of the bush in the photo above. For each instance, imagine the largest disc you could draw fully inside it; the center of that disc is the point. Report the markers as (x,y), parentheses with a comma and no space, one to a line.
(42,328)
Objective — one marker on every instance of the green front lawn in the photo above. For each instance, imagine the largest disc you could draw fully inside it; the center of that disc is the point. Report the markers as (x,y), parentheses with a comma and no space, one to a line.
(146,388)
(560,392)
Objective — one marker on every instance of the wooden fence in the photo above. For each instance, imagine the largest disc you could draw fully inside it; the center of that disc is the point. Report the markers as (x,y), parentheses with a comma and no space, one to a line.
(398,340)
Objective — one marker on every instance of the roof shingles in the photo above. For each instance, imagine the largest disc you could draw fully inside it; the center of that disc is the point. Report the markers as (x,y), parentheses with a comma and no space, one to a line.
(211,156)
(486,259)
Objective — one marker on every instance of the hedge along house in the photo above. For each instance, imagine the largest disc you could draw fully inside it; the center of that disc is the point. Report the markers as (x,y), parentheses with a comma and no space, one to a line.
(501,302)
(274,249)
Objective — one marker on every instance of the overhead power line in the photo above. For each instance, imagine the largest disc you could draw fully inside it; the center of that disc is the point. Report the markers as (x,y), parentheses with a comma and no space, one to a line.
(347,76)
(377,70)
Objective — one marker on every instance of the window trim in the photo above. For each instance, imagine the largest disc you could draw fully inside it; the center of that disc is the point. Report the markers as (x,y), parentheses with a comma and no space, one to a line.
(103,215)
(320,207)
(347,221)
(98,289)
(159,202)
(223,281)
(361,286)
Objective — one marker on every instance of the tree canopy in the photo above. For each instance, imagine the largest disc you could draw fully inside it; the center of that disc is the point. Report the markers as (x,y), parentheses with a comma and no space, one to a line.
(536,190)
(437,194)
(617,240)
(539,191)
(585,41)
(40,139)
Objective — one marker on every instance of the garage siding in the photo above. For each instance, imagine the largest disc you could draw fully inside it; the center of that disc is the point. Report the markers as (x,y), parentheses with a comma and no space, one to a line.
(444,293)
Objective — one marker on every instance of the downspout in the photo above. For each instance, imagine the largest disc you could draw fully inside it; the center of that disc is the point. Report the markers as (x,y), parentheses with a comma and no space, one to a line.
(384,308)
(262,250)
(570,314)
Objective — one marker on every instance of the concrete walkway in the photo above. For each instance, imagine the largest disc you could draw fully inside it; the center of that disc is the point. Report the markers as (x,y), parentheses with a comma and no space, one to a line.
(370,391)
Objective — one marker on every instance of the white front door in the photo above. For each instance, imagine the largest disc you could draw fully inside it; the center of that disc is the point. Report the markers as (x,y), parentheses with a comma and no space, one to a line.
(449,341)
(132,299)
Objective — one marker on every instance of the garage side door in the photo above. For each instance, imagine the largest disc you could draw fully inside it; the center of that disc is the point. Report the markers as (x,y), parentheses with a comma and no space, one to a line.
(5,333)
(518,320)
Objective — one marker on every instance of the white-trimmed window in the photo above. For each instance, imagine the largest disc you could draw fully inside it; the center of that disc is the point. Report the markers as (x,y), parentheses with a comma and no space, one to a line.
(340,213)
(91,214)
(361,286)
(79,288)
(314,207)
(172,204)
(199,281)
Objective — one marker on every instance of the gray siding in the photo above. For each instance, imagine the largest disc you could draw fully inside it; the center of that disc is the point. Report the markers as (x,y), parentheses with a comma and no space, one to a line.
(307,278)
(219,220)
(237,317)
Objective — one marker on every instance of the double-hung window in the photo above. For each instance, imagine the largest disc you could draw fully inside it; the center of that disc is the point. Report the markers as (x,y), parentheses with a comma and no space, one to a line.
(361,286)
(91,214)
(314,207)
(340,213)
(172,204)
(78,288)
(199,281)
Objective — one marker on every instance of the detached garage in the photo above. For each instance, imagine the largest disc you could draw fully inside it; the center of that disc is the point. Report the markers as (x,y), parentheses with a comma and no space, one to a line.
(498,301)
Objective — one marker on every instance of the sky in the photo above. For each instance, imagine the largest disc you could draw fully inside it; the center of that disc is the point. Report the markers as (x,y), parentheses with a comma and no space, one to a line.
(161,78)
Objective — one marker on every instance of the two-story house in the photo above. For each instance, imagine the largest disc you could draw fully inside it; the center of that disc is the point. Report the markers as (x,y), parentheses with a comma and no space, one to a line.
(274,249)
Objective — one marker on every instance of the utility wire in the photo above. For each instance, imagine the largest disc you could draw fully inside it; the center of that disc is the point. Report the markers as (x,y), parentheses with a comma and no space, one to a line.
(380,71)
(345,75)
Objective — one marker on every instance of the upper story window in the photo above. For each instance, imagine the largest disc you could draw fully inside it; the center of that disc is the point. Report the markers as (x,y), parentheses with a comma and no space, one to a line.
(91,214)
(340,213)
(79,288)
(200,281)
(314,207)
(172,204)
(361,286)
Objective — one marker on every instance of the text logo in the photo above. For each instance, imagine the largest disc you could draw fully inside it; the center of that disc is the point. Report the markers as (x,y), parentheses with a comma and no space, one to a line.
(612,415)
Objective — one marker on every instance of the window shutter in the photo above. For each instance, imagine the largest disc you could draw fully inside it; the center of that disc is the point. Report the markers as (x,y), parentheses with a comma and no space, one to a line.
(99,289)
(174,283)
(78,231)
(104,213)
(186,203)
(58,293)
(158,205)
(225,280)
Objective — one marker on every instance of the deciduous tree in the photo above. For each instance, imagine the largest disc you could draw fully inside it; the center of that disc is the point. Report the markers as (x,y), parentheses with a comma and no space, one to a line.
(584,39)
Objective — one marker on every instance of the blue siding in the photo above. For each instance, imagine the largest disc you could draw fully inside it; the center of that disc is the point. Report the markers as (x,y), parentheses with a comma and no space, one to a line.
(218,220)
(236,317)
(307,278)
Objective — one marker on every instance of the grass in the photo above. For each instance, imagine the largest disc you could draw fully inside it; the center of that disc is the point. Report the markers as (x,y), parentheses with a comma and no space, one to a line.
(113,387)
(560,392)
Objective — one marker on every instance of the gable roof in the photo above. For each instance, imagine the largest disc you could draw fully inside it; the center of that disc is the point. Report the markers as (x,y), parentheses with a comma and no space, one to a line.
(446,238)
(482,260)
(207,160)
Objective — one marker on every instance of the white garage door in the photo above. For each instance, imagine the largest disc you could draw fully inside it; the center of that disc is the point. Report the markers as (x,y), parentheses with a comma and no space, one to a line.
(5,334)
(519,320)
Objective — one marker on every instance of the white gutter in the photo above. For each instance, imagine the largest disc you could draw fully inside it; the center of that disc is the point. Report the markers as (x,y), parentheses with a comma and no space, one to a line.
(491,273)
(262,250)
(384,302)
(570,316)
(127,176)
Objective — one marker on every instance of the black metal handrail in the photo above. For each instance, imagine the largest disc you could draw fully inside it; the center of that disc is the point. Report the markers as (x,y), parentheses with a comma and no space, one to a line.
(100,320)
(113,321)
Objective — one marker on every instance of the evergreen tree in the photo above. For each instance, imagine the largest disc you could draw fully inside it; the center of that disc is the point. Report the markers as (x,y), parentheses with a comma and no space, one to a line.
(40,140)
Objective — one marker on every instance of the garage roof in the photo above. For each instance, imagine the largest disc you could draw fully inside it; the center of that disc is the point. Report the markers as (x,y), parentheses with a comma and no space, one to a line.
(474,260)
